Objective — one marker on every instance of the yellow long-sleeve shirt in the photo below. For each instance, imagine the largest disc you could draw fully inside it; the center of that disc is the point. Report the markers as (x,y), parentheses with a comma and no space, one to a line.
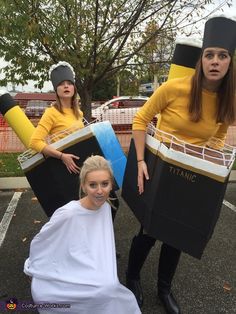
(171,101)
(53,121)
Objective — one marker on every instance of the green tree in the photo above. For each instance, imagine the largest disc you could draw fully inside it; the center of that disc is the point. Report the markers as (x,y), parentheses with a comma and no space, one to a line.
(155,57)
(129,82)
(98,37)
(105,89)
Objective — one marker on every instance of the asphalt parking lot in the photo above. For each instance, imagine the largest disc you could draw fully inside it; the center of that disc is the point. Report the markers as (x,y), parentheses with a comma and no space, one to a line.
(206,286)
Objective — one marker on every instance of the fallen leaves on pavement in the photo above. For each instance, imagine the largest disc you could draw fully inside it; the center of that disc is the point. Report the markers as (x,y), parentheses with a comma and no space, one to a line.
(20,190)
(227,287)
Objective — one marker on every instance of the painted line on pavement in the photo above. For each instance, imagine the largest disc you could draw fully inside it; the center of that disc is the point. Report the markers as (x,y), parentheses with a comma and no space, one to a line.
(6,219)
(231,206)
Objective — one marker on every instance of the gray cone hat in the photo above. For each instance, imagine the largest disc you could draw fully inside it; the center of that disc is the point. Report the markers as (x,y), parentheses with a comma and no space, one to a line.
(62,71)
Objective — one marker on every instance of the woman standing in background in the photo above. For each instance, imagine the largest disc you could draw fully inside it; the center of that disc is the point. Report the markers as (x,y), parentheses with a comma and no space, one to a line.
(62,114)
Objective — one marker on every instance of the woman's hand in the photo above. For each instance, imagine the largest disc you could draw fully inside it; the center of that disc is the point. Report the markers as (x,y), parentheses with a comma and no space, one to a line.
(68,160)
(142,172)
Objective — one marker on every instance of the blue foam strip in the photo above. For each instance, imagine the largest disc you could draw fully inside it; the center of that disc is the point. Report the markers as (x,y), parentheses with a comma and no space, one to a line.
(111,148)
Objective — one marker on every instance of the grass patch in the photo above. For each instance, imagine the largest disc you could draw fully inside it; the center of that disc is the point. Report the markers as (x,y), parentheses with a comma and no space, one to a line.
(9,165)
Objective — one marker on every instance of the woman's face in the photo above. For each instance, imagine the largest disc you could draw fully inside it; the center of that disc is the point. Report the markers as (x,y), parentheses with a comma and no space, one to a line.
(97,186)
(65,89)
(215,64)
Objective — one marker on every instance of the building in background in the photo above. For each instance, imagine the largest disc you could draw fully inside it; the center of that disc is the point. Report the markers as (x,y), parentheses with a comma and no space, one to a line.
(148,88)
(23,98)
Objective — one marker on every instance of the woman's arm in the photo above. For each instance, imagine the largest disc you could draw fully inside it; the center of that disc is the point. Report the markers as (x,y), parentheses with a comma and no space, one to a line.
(39,144)
(222,132)
(220,137)
(67,159)
(154,105)
(139,141)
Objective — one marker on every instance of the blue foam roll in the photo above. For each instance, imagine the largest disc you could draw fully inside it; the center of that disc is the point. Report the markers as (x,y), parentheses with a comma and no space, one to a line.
(111,149)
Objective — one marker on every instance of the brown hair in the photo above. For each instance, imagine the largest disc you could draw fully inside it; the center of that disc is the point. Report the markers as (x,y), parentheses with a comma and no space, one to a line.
(74,104)
(226,111)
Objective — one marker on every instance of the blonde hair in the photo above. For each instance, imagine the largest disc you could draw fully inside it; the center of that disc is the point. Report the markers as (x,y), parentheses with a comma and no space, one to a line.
(94,163)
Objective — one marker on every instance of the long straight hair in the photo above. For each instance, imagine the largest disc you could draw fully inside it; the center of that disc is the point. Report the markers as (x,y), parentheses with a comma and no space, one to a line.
(74,104)
(226,100)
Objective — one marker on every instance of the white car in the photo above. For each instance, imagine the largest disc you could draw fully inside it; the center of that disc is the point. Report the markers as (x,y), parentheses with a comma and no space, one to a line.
(119,111)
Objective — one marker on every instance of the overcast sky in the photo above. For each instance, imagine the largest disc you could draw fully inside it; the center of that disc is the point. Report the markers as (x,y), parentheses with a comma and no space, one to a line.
(48,85)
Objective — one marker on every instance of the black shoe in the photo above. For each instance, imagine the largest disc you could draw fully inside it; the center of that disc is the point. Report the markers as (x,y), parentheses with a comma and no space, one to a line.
(135,286)
(168,301)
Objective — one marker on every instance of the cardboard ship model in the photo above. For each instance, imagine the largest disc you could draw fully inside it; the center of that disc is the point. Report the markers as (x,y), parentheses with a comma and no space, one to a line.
(183,197)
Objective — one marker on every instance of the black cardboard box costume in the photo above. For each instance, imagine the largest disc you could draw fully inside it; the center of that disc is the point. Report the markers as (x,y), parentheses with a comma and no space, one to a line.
(96,138)
(174,207)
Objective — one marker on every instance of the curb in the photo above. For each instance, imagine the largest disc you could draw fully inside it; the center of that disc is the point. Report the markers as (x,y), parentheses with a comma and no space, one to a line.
(232,177)
(11,183)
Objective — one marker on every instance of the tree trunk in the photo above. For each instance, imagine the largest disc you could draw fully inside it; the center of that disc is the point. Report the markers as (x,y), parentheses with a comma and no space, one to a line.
(85,100)
(155,82)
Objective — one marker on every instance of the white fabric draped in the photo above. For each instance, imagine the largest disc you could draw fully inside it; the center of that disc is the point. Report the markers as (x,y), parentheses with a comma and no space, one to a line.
(72,261)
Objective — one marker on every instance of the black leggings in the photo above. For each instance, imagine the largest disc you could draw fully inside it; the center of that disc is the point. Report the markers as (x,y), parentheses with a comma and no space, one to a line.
(168,260)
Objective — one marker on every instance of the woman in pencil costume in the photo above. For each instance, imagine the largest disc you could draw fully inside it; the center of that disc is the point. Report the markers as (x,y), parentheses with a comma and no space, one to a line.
(194,109)
(61,136)
(59,120)
(61,115)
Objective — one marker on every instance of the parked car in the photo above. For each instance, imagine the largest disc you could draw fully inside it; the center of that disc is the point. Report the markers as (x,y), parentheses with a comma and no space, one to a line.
(96,104)
(119,111)
(35,108)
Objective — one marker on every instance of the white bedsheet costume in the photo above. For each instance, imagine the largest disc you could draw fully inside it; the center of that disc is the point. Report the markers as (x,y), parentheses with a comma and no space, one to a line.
(72,261)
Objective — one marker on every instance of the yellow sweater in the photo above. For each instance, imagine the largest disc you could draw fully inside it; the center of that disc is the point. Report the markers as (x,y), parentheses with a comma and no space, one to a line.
(53,121)
(171,100)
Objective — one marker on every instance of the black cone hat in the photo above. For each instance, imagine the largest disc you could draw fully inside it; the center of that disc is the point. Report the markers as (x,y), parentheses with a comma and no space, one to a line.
(220,31)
